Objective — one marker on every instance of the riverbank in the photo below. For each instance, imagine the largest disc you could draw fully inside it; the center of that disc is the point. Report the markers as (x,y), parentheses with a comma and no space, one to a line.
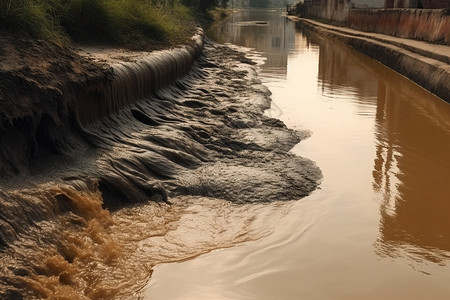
(54,116)
(108,159)
(426,64)
(48,90)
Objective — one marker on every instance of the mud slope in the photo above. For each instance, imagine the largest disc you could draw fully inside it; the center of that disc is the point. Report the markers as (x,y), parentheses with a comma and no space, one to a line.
(203,135)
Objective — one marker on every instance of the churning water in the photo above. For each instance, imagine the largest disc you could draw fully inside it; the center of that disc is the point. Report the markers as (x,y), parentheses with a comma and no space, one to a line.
(379,226)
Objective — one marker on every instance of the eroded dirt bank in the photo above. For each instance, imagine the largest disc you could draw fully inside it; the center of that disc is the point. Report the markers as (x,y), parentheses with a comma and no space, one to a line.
(67,227)
(37,81)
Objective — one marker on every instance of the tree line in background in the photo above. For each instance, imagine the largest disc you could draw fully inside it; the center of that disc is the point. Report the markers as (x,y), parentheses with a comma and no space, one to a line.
(204,5)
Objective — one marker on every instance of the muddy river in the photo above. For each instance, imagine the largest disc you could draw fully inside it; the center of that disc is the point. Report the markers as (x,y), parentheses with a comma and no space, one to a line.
(378,227)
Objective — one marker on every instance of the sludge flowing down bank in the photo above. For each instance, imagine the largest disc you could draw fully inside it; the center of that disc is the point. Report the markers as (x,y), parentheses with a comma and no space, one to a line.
(80,223)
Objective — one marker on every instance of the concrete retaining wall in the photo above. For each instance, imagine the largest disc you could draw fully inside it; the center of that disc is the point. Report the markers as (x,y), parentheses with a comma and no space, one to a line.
(432,25)
(430,74)
(336,10)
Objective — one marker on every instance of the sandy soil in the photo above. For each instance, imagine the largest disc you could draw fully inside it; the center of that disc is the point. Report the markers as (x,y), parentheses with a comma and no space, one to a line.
(35,74)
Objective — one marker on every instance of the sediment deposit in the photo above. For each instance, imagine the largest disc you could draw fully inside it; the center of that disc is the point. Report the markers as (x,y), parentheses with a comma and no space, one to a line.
(99,175)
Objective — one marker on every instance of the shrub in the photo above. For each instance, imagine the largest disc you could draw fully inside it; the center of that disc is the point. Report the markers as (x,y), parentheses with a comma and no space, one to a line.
(202,5)
(133,20)
(124,22)
(299,8)
(85,19)
(28,17)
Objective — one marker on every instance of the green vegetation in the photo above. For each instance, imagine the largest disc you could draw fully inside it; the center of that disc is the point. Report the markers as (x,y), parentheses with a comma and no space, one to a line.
(220,13)
(299,8)
(204,5)
(30,17)
(132,23)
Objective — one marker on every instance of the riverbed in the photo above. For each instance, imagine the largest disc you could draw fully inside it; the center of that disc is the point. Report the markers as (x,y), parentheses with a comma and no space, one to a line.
(378,226)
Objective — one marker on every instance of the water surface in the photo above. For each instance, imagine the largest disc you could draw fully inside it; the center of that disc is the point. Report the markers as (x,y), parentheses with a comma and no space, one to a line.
(379,226)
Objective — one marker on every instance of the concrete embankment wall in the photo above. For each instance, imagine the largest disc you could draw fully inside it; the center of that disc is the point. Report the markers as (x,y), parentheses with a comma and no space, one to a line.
(432,25)
(429,73)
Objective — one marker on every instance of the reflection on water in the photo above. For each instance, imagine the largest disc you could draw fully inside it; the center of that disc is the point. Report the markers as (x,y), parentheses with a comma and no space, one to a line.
(383,211)
(261,30)
(412,171)
(339,75)
(412,138)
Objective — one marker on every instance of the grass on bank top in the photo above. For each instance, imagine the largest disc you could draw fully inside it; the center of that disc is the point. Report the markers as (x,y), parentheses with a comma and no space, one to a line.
(131,23)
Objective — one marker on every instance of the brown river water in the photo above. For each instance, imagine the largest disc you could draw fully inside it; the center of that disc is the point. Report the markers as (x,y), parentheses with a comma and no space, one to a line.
(379,225)
(196,189)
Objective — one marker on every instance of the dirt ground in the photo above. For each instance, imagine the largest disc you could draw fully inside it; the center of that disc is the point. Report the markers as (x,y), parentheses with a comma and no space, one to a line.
(35,75)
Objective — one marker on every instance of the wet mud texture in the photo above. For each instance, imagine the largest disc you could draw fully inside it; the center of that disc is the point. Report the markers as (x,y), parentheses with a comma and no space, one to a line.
(204,135)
